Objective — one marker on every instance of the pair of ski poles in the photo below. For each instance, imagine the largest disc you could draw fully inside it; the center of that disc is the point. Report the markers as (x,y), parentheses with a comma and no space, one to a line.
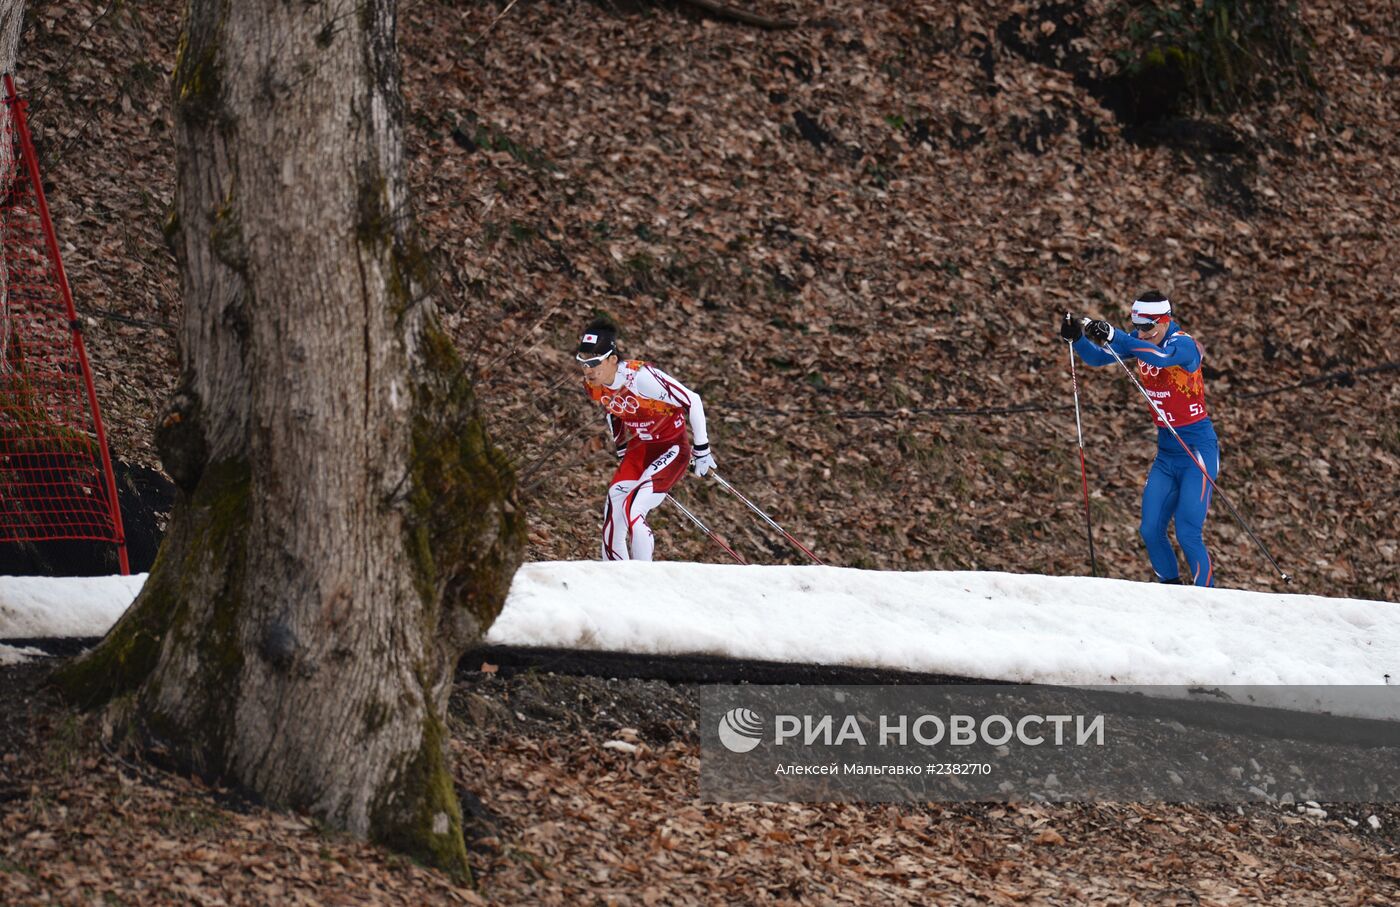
(749,504)
(1162,418)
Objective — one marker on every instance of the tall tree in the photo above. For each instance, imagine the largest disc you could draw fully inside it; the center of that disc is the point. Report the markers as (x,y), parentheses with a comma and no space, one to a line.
(11,26)
(345,529)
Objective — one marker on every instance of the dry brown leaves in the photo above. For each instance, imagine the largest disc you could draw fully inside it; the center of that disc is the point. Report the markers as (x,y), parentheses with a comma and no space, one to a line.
(826,231)
(583,823)
(852,219)
(576,821)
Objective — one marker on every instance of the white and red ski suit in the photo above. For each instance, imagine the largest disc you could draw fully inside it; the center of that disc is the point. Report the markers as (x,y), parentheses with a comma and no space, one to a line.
(647,411)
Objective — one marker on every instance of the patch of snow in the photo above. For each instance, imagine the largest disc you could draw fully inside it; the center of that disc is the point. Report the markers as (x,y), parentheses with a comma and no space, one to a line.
(74,606)
(1026,628)
(10,655)
(1264,648)
(1077,631)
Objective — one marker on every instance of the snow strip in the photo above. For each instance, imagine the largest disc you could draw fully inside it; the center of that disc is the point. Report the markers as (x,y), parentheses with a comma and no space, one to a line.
(9,655)
(1077,631)
(1024,628)
(72,606)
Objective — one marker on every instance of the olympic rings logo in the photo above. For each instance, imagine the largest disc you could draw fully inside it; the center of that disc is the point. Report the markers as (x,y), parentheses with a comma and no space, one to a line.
(1151,371)
(621,406)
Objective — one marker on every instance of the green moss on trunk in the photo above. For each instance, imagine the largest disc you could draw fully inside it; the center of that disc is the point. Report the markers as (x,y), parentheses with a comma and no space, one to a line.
(464,535)
(206,538)
(198,80)
(120,664)
(431,832)
(465,530)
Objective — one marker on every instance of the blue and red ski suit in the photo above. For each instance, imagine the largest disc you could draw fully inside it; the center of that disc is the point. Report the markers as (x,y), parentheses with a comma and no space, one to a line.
(1176,489)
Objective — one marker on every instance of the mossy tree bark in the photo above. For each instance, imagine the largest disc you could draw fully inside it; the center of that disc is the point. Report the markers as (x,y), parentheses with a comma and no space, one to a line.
(344,528)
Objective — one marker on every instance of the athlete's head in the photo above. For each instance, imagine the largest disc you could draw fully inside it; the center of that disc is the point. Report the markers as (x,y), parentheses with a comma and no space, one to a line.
(597,351)
(1152,315)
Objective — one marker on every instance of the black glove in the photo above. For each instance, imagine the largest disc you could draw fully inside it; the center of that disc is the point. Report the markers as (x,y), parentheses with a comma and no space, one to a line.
(1071,329)
(1101,332)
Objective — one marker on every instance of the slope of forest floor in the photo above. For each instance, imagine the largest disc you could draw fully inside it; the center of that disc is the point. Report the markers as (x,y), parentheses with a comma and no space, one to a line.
(854,238)
(584,790)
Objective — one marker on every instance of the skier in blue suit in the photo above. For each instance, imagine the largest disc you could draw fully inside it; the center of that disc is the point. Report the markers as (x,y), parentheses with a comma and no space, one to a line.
(1169,367)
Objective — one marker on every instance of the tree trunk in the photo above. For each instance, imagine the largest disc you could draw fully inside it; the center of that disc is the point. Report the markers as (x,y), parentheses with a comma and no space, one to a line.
(345,530)
(11,26)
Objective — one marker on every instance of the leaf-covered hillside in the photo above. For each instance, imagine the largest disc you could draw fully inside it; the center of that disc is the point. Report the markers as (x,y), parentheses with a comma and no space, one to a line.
(854,237)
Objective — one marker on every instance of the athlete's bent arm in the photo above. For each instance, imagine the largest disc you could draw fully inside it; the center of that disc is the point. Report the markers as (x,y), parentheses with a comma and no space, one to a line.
(1179,349)
(1092,354)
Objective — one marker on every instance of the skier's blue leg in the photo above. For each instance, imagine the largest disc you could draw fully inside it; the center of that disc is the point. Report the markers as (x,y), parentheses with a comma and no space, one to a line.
(1159,503)
(1191,507)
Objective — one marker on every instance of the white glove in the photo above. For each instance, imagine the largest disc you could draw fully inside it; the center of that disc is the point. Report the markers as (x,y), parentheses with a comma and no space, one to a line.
(701,460)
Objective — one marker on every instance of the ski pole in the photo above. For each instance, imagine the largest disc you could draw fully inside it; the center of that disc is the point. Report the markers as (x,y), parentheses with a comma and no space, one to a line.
(706,529)
(765,517)
(1199,465)
(1083,470)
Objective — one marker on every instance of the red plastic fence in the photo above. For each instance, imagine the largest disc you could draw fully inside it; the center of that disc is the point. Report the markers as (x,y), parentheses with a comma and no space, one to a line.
(56,479)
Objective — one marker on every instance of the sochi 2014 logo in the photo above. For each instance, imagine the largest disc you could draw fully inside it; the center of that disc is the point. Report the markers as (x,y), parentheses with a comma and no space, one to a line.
(620,405)
(740,730)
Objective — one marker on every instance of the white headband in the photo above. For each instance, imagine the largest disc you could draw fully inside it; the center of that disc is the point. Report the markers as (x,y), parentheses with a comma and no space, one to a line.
(1159,307)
